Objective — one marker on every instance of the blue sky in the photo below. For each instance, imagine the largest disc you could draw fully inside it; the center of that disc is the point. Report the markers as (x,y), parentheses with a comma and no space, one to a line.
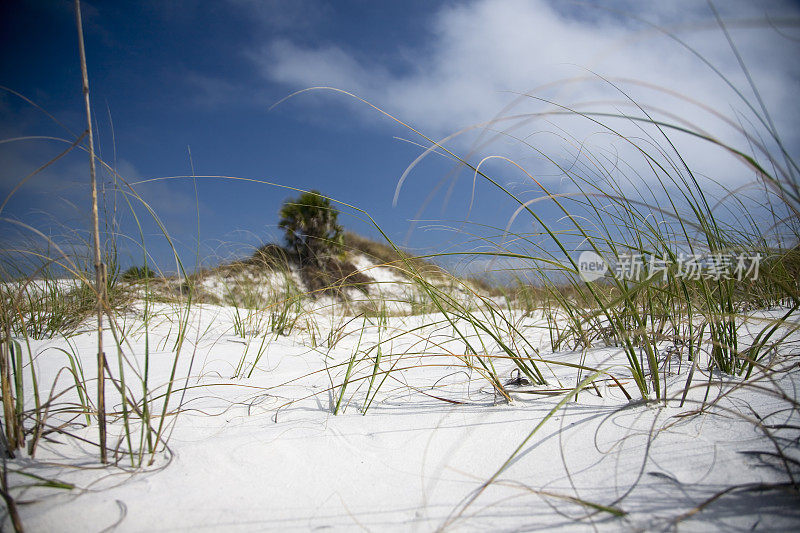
(173,75)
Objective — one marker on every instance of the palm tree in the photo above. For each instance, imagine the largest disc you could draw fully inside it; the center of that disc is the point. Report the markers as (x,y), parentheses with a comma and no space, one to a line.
(311,228)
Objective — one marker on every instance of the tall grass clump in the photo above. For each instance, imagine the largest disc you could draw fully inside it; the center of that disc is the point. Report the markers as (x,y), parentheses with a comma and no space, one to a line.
(689,270)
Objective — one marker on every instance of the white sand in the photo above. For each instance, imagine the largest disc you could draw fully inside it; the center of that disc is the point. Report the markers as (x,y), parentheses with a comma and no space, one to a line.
(266,453)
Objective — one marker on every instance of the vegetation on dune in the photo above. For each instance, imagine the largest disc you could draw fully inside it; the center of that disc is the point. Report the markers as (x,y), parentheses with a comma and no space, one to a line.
(329,270)
(45,308)
(386,254)
(137,273)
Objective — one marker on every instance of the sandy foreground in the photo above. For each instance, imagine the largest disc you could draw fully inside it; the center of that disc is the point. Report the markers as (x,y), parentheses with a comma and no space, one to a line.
(256,446)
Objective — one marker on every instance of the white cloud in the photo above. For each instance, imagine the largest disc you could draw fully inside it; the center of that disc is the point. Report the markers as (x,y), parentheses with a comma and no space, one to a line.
(330,66)
(481,50)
